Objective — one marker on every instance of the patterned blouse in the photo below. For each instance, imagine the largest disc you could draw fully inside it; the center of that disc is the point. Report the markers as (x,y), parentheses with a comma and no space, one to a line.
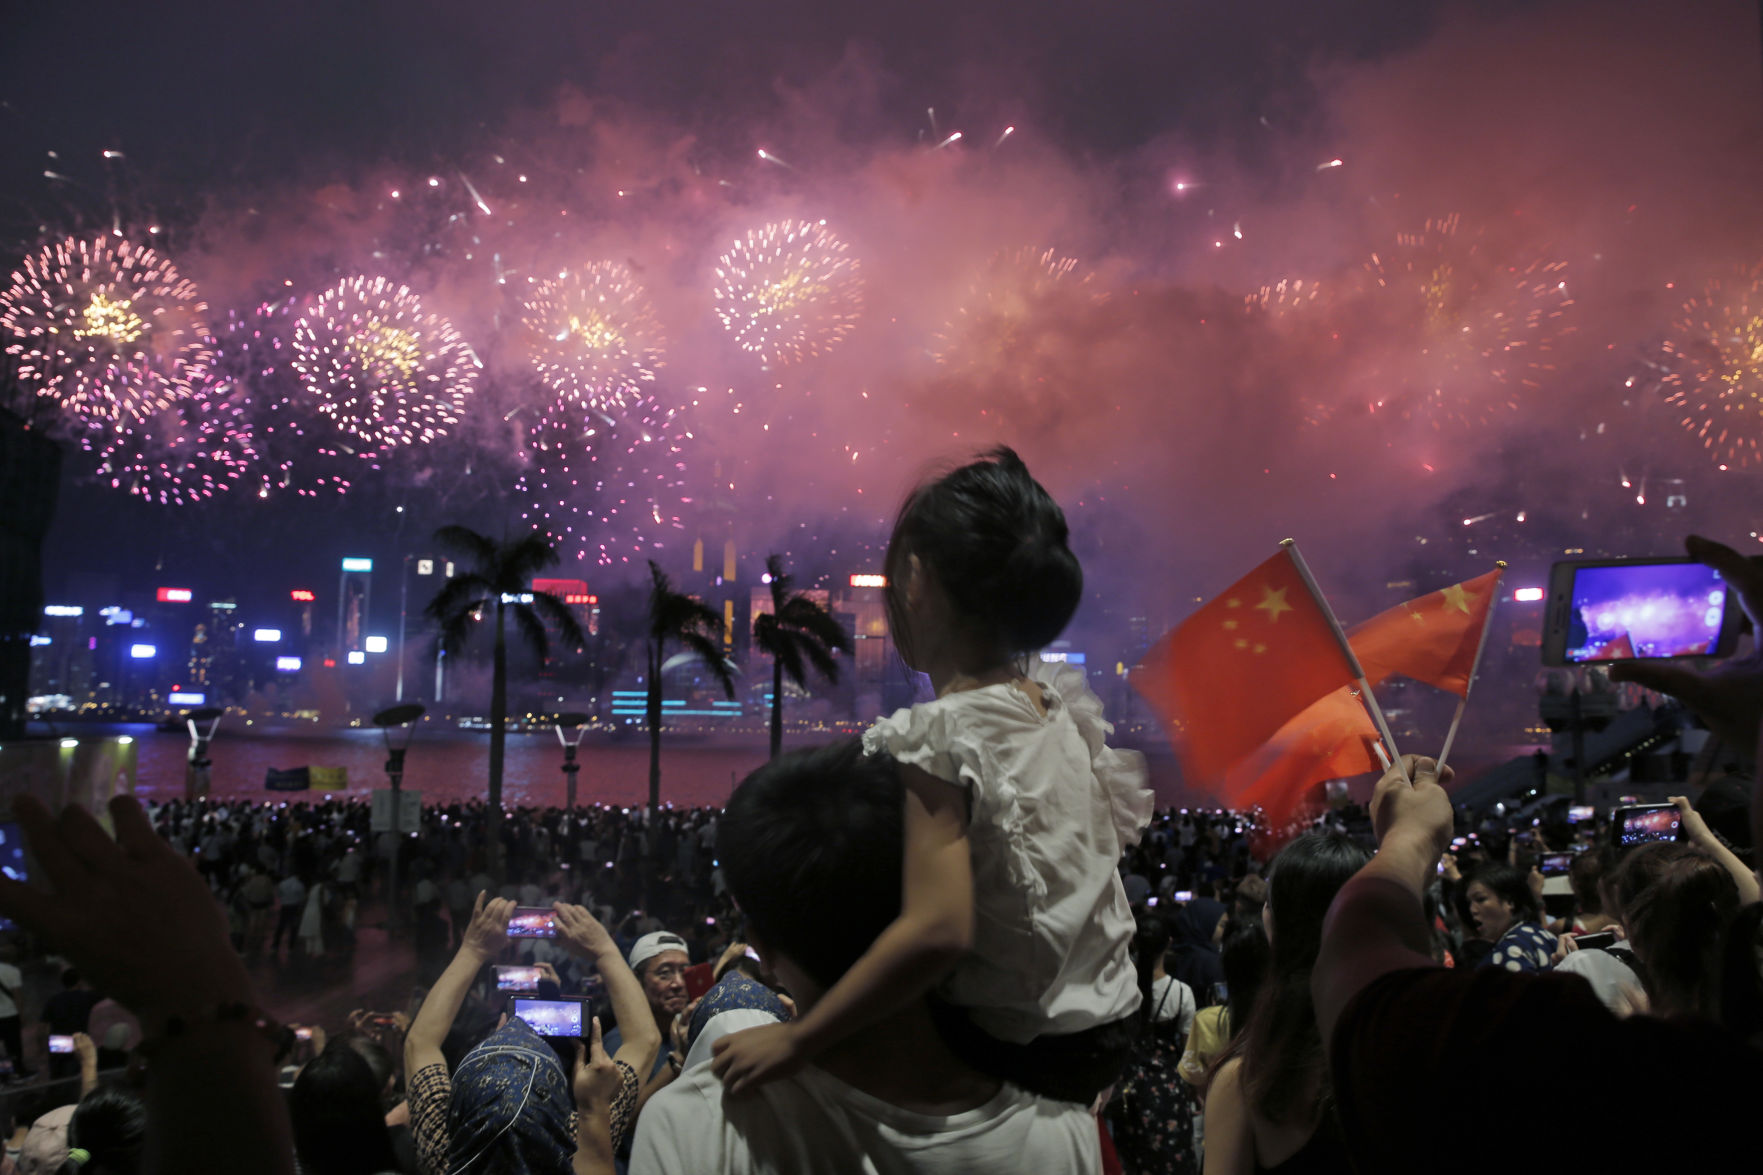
(431,1090)
(1524,947)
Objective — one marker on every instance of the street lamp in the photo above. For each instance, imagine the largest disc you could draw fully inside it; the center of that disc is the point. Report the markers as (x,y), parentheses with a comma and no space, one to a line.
(387,720)
(571,768)
(196,777)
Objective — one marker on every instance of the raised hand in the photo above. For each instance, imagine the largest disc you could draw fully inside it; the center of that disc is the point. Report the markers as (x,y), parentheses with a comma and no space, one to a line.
(1728,696)
(129,912)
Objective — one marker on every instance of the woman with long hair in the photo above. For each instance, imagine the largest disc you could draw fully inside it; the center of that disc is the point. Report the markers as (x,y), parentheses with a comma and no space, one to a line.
(1268,1108)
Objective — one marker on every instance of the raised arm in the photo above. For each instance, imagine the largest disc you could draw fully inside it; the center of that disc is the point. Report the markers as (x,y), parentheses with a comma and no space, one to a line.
(933,931)
(1700,835)
(584,937)
(1376,924)
(135,917)
(483,940)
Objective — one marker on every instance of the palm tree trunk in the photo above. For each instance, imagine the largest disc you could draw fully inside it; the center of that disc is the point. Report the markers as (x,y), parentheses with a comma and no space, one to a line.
(498,744)
(652,710)
(777,706)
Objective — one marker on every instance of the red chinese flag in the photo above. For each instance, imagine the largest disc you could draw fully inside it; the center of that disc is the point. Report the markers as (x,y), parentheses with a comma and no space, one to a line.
(1433,638)
(1331,739)
(1620,649)
(1240,668)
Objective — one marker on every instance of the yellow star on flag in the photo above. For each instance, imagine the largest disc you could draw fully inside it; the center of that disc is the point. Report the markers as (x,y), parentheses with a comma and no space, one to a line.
(1230,624)
(1273,602)
(1456,597)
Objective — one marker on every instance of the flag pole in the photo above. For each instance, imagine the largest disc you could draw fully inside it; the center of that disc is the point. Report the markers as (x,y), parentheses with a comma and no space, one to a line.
(1463,702)
(1340,635)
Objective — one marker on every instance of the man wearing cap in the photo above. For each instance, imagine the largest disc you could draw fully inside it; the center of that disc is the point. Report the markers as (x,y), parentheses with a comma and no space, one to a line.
(659,960)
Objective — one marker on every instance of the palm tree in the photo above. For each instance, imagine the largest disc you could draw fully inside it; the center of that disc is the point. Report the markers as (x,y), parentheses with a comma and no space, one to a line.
(500,576)
(676,618)
(796,629)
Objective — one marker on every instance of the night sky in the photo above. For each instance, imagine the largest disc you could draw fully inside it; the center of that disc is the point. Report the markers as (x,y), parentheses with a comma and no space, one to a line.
(1177,152)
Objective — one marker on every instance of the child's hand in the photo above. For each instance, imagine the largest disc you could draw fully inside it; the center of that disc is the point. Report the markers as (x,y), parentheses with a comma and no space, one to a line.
(748,1059)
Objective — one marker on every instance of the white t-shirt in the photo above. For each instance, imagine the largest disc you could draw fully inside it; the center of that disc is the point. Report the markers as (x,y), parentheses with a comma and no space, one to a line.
(1051,807)
(10,979)
(1173,1000)
(815,1122)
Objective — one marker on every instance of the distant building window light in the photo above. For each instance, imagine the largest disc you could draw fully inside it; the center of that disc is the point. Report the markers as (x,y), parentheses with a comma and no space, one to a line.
(357,657)
(287,664)
(358,565)
(1528,595)
(267,636)
(187,699)
(143,652)
(375,644)
(64,610)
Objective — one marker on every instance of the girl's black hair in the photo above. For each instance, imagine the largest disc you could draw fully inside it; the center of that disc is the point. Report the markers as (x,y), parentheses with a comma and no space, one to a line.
(996,542)
(1677,902)
(110,1124)
(1150,941)
(1244,955)
(1510,884)
(1283,1057)
(339,1127)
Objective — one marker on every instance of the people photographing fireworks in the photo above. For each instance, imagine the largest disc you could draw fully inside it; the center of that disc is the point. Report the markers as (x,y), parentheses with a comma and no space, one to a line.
(1017,812)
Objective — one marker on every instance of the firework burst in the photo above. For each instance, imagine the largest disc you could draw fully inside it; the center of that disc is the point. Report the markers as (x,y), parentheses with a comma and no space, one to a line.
(107,328)
(381,368)
(607,488)
(1014,350)
(1005,308)
(1481,332)
(192,450)
(592,335)
(1712,366)
(789,291)
(298,451)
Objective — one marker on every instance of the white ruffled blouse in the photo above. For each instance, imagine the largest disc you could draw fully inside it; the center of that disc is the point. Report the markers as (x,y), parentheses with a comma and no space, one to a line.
(1051,807)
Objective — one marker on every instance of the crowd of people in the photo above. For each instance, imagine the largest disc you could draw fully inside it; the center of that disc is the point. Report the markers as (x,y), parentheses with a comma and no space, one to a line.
(965,942)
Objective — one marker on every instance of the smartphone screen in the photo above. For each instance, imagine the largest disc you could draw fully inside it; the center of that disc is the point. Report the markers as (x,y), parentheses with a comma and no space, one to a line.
(60,1044)
(1595,942)
(1182,895)
(1612,610)
(1580,813)
(1556,864)
(1645,824)
(518,978)
(302,1033)
(533,922)
(551,1017)
(1221,993)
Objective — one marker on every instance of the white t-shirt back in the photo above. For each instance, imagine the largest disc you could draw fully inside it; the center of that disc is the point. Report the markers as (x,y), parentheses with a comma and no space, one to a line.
(1051,807)
(1173,1001)
(813,1122)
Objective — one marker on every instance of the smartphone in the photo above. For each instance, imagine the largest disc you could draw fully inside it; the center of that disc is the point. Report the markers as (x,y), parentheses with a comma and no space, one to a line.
(1619,609)
(1150,902)
(1645,824)
(518,978)
(1595,942)
(1556,864)
(60,1044)
(559,1018)
(1580,813)
(1221,993)
(302,1033)
(533,922)
(1182,895)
